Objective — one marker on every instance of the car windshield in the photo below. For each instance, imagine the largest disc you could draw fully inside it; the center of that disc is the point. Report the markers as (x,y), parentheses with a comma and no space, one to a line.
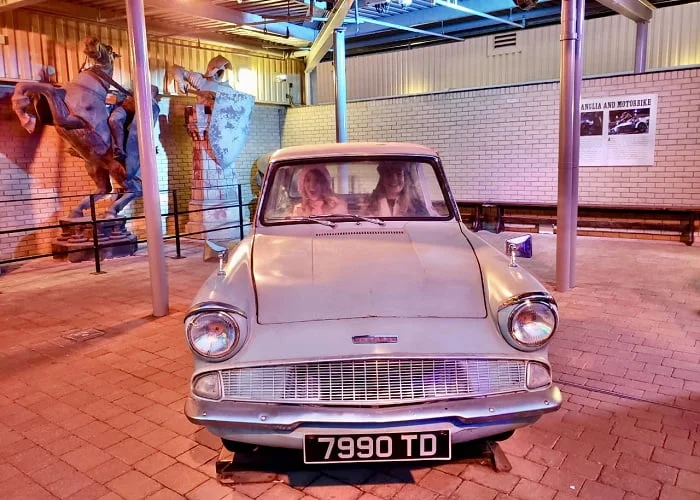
(381,189)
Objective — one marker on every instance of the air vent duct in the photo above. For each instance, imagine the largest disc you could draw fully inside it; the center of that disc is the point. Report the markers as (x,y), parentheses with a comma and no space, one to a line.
(504,43)
(340,234)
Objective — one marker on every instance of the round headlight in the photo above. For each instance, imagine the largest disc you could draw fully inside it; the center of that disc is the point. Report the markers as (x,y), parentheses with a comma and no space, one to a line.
(532,324)
(213,335)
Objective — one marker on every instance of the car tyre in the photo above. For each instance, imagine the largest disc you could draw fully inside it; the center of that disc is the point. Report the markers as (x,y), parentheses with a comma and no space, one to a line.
(238,447)
(501,437)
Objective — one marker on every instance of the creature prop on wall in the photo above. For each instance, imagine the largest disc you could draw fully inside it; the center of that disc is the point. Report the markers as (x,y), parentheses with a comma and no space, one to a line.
(229,109)
(105,137)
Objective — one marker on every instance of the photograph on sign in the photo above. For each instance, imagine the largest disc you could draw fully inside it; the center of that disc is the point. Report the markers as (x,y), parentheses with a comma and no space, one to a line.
(629,121)
(592,123)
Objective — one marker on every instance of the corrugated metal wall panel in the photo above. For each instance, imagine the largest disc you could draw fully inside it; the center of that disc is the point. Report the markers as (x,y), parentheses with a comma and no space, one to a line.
(609,45)
(674,38)
(36,42)
(602,35)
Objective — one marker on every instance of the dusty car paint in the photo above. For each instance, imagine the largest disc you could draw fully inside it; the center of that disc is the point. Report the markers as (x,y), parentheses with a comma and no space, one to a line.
(300,293)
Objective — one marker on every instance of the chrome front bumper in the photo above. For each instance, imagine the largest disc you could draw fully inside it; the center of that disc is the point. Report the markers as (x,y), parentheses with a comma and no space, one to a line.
(284,425)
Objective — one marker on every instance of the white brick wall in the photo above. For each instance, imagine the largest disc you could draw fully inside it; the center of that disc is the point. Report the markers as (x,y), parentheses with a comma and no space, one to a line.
(39,165)
(501,144)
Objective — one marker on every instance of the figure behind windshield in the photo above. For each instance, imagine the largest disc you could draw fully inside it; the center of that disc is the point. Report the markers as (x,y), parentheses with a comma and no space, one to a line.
(396,194)
(317,196)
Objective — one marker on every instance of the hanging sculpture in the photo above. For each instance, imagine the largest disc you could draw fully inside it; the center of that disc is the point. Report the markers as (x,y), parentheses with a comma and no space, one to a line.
(105,138)
(218,125)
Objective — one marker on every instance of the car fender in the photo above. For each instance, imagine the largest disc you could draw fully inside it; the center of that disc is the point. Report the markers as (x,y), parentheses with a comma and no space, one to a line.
(235,287)
(501,281)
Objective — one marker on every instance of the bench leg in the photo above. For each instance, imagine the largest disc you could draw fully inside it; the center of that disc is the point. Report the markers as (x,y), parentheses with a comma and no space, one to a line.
(478,216)
(691,230)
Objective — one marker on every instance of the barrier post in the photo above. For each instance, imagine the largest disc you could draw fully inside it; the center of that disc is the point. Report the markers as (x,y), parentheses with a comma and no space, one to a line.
(177,226)
(95,241)
(240,212)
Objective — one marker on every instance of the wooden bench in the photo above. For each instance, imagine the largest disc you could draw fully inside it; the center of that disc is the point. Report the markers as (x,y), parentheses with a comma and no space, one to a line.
(591,218)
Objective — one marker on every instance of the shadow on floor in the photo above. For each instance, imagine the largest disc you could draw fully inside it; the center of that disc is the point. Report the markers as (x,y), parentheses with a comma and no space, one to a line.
(284,465)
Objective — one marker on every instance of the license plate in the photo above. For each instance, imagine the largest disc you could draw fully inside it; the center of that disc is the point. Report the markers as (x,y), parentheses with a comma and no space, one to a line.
(399,446)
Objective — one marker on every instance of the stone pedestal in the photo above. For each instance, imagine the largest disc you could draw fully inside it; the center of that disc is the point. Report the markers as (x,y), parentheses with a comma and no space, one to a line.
(214,200)
(76,244)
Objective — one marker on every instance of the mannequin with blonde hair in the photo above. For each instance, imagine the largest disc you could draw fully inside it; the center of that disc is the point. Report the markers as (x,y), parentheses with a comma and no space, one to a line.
(317,196)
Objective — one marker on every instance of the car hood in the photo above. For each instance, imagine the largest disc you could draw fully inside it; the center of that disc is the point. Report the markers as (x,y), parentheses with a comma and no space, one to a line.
(414,270)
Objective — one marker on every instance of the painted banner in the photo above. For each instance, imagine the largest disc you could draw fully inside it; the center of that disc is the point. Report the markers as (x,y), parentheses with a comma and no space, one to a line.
(618,131)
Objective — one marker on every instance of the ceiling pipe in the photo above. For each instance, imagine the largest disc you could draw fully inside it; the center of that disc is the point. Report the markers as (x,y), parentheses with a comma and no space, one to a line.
(435,15)
(361,20)
(374,41)
(454,5)
(408,28)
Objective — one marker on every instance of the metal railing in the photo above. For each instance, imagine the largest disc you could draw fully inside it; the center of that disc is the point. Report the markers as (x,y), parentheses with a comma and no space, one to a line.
(95,222)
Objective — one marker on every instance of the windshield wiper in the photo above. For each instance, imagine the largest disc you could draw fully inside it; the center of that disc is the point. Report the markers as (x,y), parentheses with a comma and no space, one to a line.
(307,218)
(352,216)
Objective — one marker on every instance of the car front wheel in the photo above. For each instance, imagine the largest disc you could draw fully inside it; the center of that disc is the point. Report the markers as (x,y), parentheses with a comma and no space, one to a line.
(238,447)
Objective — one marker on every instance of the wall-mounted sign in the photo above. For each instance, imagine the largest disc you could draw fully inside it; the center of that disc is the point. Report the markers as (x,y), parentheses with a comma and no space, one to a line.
(618,131)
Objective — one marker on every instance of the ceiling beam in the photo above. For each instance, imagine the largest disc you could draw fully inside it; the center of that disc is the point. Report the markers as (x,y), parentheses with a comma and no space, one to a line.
(156,30)
(638,11)
(458,28)
(413,18)
(207,10)
(454,5)
(408,28)
(8,5)
(324,40)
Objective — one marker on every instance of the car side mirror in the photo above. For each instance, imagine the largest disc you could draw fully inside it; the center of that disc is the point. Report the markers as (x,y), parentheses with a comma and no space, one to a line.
(519,247)
(222,253)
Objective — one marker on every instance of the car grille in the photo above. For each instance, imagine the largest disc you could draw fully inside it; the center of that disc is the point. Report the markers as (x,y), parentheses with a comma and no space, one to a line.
(376,381)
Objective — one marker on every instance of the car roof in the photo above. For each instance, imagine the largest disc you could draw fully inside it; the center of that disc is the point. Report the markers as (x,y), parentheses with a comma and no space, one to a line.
(351,149)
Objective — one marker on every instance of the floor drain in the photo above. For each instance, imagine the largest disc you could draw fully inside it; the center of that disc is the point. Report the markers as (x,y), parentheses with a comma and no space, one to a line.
(83,335)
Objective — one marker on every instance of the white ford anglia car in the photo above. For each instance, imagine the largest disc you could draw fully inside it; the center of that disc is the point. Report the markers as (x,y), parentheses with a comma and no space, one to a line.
(360,320)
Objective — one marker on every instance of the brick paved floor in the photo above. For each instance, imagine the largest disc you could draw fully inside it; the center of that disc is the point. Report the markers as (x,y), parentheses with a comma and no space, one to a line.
(103,418)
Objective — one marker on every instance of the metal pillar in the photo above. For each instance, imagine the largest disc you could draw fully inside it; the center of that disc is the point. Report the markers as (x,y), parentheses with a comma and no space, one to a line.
(576,138)
(149,171)
(310,85)
(341,133)
(640,49)
(568,108)
(341,105)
